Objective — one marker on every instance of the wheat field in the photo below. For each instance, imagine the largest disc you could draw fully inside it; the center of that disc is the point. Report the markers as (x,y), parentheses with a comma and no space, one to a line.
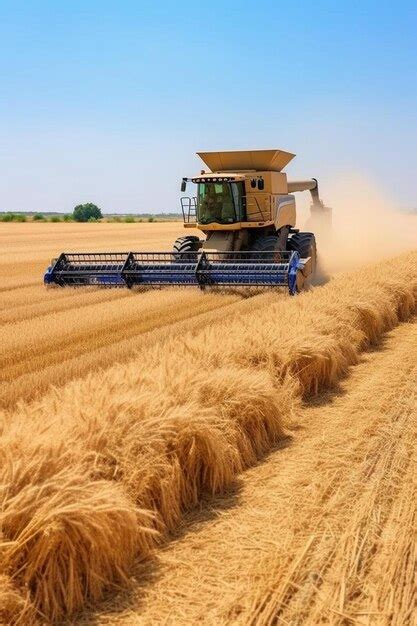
(180,457)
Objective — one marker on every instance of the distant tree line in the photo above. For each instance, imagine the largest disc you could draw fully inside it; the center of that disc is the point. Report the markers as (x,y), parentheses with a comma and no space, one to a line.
(34,217)
(88,212)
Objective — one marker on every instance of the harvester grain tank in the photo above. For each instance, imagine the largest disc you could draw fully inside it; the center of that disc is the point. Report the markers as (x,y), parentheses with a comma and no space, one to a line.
(245,208)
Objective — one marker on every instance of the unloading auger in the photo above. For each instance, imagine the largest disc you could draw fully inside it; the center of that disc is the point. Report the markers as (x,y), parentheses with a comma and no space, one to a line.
(245,208)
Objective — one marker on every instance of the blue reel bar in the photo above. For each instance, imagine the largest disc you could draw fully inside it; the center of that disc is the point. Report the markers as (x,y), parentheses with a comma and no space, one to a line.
(203,269)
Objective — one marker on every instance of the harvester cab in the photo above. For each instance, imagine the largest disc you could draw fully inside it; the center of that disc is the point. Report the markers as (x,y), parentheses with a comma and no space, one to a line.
(245,208)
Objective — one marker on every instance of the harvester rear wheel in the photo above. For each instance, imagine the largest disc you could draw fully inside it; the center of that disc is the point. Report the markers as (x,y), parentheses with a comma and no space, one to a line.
(305,245)
(189,243)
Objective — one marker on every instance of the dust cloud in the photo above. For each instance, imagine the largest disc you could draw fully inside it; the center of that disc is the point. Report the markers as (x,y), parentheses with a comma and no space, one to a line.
(365,226)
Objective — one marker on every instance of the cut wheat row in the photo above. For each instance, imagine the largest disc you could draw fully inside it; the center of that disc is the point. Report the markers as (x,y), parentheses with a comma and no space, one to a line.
(307,534)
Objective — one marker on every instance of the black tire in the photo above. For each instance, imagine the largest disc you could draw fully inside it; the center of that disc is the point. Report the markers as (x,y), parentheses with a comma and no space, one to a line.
(274,243)
(187,244)
(266,243)
(305,245)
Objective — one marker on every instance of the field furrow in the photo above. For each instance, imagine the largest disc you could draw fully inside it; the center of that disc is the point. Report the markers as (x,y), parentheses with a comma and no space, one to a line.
(73,332)
(35,305)
(61,362)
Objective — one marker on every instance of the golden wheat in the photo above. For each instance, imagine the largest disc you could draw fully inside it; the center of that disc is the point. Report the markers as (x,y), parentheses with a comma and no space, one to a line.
(92,469)
(322,532)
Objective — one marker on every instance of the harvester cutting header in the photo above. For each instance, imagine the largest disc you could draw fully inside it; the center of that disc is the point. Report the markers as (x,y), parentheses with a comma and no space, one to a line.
(245,208)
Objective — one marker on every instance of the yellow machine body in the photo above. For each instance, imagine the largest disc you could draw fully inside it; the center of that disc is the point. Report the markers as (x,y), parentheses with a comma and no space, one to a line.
(268,202)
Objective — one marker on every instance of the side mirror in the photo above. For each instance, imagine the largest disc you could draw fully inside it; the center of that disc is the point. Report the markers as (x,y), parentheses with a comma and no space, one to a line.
(183,185)
(261,184)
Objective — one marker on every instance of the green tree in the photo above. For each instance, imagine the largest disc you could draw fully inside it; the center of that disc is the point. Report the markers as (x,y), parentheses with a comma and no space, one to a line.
(84,212)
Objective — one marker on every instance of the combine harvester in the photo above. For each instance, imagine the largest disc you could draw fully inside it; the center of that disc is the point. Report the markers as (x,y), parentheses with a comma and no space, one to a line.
(246,210)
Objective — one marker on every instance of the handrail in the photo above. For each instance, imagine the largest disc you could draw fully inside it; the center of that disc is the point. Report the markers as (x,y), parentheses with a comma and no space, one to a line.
(189,209)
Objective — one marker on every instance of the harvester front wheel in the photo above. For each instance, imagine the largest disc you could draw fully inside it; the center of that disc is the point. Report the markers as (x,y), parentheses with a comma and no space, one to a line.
(186,244)
(271,243)
(305,245)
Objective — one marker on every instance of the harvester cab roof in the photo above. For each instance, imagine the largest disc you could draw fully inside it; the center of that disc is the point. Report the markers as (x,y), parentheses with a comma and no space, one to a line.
(247,160)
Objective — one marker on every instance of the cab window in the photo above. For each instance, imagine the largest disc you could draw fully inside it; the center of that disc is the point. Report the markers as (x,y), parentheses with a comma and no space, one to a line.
(220,203)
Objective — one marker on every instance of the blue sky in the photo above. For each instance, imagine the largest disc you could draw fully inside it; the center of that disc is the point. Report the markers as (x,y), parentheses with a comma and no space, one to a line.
(109,101)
